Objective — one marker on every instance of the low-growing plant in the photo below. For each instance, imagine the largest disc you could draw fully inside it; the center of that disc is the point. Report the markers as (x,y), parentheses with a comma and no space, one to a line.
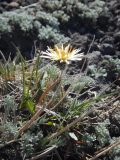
(107,67)
(45,112)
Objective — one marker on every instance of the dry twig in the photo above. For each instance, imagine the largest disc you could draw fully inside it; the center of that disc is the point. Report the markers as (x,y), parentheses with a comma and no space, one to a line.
(46,152)
(105,150)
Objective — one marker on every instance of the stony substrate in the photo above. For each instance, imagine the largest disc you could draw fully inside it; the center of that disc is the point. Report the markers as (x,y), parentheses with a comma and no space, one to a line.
(102,37)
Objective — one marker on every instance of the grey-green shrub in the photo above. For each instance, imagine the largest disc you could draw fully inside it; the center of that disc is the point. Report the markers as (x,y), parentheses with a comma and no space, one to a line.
(42,24)
(45,20)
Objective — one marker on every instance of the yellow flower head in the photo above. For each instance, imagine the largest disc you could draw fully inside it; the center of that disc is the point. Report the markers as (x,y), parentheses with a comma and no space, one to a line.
(63,54)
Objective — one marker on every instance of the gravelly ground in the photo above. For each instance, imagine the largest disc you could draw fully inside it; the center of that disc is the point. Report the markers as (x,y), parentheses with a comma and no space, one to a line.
(106,46)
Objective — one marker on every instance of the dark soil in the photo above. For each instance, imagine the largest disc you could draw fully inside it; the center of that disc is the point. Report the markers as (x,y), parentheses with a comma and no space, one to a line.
(8,5)
(104,50)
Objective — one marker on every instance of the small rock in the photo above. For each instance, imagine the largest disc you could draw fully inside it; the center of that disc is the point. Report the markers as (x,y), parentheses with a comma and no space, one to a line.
(13,5)
(79,41)
(1,9)
(117,36)
(118,54)
(116,103)
(107,49)
(94,57)
(108,39)
(3,4)
(100,34)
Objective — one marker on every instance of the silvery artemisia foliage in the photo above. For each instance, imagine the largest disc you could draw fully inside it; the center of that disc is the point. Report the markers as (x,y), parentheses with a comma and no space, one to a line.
(42,25)
(43,21)
(67,9)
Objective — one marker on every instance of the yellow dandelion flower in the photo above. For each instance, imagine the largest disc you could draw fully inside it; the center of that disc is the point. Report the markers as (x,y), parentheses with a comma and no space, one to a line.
(63,54)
